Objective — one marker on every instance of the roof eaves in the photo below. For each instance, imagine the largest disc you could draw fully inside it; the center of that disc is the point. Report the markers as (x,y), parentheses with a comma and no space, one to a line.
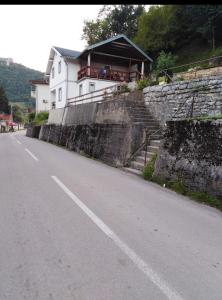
(113,39)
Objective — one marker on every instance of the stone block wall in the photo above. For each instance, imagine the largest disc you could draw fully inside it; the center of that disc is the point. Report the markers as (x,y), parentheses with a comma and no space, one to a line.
(191,151)
(33,131)
(175,100)
(111,143)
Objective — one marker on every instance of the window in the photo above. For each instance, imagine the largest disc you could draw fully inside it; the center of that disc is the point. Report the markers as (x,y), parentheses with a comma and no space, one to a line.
(59,67)
(53,72)
(80,89)
(92,87)
(60,94)
(33,88)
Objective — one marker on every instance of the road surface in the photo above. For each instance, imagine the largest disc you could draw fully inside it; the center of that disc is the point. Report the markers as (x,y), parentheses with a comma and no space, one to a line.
(74,228)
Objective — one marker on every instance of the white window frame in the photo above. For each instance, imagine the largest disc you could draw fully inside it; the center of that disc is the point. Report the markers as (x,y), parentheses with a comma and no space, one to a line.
(53,72)
(59,66)
(80,89)
(60,94)
(92,84)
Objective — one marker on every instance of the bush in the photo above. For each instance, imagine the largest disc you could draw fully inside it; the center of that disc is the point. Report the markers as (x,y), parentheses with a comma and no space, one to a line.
(123,89)
(41,118)
(149,168)
(143,83)
(31,117)
(178,187)
(165,61)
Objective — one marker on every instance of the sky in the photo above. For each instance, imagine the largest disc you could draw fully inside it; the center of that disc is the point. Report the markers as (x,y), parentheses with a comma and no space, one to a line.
(29,31)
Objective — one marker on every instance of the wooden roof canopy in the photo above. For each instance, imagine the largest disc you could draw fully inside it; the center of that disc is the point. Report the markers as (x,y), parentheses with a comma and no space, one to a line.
(120,47)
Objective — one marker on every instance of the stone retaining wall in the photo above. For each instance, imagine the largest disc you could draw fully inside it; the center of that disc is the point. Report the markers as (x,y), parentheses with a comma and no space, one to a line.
(33,131)
(163,101)
(111,143)
(192,152)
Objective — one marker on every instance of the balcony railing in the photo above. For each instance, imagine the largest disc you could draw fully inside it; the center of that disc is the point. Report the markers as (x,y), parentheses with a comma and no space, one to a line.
(114,75)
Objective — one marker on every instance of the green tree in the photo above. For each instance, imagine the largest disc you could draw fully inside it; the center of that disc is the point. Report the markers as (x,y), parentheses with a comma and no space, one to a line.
(4,106)
(205,21)
(155,29)
(165,61)
(17,114)
(112,20)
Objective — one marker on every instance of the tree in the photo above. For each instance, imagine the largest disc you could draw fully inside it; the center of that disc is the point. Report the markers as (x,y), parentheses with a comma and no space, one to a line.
(165,61)
(113,20)
(155,29)
(4,106)
(205,21)
(17,114)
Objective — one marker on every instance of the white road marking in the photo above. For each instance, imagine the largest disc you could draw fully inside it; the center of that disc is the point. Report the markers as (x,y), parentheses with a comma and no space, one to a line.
(141,264)
(31,154)
(18,141)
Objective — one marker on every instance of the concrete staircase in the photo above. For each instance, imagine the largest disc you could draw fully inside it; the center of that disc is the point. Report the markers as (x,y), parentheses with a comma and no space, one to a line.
(137,165)
(140,115)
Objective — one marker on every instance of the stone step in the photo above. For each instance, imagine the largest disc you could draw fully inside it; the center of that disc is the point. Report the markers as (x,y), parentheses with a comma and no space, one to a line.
(152,149)
(149,155)
(151,121)
(144,116)
(155,143)
(157,136)
(141,159)
(133,171)
(137,165)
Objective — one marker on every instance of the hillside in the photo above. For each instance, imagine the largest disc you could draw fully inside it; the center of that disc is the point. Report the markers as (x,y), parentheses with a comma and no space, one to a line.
(15,81)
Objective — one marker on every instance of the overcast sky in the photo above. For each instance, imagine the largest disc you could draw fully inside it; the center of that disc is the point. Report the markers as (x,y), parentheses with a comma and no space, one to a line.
(29,31)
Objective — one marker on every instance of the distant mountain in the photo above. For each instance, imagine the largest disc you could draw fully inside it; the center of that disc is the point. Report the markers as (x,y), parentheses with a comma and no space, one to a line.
(15,81)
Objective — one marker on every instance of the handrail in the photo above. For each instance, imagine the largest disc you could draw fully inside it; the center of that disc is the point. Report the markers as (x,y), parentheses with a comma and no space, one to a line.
(148,136)
(94,72)
(101,93)
(189,64)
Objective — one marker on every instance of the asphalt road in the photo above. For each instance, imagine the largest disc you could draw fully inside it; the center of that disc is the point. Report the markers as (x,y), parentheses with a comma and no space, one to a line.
(74,228)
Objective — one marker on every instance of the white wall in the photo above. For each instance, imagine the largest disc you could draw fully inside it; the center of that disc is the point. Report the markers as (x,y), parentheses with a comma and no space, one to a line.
(58,77)
(99,84)
(42,93)
(60,80)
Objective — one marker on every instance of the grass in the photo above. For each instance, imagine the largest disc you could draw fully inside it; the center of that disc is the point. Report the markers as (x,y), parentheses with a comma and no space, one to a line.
(179,187)
(149,168)
(206,117)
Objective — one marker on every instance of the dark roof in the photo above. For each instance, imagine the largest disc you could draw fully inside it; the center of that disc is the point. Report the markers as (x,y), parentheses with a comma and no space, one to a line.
(67,52)
(124,45)
(35,81)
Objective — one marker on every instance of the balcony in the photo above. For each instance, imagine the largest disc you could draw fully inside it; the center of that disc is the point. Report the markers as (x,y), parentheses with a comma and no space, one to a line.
(113,75)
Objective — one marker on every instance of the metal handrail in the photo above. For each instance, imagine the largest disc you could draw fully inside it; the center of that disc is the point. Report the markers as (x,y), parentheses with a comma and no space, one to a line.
(193,63)
(148,136)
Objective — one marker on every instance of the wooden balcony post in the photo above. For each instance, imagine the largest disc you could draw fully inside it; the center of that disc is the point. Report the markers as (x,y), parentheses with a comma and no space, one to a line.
(142,70)
(88,64)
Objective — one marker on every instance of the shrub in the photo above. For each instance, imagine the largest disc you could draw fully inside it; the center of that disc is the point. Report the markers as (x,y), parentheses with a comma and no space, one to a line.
(31,116)
(143,83)
(165,61)
(178,187)
(41,118)
(149,168)
(123,89)
(205,198)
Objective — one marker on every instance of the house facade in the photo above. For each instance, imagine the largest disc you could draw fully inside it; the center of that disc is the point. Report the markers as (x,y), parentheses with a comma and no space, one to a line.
(72,74)
(40,92)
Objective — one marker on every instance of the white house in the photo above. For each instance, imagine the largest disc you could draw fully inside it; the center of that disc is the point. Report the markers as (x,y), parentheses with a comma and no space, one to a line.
(72,73)
(40,92)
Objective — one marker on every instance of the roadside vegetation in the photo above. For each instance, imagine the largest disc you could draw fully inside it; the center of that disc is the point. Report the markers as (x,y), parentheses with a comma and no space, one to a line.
(40,118)
(172,35)
(179,187)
